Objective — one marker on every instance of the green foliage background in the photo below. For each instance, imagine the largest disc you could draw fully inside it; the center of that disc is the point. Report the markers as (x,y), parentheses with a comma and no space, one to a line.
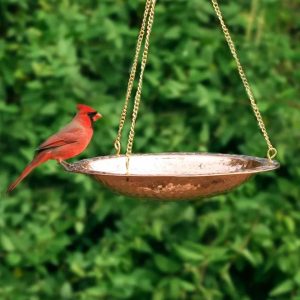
(64,237)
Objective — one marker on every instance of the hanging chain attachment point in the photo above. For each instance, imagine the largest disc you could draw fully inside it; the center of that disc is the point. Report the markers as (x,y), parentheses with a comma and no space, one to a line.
(117,145)
(272,152)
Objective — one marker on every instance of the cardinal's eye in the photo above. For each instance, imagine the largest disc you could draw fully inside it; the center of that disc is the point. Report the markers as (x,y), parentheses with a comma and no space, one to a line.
(92,114)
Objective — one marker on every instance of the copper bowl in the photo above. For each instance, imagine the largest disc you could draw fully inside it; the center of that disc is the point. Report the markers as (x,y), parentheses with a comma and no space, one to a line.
(173,176)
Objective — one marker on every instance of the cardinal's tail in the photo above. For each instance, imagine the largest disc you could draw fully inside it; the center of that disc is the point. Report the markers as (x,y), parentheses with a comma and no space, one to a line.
(39,159)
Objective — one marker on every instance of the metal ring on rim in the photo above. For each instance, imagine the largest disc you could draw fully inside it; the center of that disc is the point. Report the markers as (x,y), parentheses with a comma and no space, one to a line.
(272,152)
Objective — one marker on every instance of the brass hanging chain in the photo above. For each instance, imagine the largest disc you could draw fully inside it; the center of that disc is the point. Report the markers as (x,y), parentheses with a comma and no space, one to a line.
(137,98)
(117,143)
(272,152)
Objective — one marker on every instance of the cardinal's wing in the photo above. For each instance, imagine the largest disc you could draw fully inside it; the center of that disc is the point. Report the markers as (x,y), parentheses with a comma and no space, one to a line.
(68,135)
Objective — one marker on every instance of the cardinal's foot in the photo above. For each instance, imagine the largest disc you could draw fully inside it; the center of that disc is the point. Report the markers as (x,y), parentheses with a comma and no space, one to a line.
(65,164)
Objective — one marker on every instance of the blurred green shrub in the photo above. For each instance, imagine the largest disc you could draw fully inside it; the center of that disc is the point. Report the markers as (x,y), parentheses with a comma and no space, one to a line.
(64,237)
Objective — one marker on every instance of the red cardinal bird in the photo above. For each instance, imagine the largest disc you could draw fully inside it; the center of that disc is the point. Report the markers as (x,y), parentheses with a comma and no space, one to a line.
(68,142)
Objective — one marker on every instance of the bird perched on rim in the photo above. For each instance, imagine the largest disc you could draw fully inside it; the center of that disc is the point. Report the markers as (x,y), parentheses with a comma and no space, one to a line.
(66,143)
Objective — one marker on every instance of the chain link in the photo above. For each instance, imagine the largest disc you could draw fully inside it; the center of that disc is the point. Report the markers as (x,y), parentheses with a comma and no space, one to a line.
(117,143)
(272,152)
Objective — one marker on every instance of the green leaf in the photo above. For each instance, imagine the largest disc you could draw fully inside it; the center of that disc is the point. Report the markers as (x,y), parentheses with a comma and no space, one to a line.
(188,253)
(166,264)
(66,291)
(79,227)
(7,243)
(14,259)
(283,288)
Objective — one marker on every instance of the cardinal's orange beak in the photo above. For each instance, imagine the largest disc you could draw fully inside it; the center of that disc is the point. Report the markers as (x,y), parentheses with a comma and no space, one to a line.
(97,116)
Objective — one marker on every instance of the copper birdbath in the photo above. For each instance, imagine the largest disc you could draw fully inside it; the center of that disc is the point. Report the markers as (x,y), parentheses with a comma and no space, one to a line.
(173,176)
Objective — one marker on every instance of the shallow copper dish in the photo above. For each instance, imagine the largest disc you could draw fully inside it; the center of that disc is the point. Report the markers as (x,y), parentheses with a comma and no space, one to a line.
(173,176)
